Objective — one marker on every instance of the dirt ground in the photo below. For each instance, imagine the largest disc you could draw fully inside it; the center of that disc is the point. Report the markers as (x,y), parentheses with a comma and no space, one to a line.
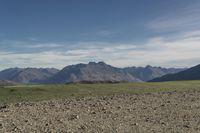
(140,113)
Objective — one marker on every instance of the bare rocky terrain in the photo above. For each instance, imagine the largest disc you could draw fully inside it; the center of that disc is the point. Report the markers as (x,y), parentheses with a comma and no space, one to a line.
(151,112)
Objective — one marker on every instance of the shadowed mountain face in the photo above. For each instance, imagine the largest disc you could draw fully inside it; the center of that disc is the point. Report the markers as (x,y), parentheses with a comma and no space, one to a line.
(27,75)
(189,74)
(92,72)
(148,73)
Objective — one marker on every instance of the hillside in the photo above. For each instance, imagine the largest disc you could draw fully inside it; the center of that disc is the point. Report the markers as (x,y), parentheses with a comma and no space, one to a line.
(27,75)
(189,74)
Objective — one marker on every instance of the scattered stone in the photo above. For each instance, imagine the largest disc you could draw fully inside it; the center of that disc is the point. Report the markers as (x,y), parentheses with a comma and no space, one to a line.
(136,124)
(103,109)
(186,126)
(119,107)
(73,117)
(162,105)
(82,127)
(93,112)
(3,107)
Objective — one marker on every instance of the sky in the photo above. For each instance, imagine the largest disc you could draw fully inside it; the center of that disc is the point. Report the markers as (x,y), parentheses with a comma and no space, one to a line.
(123,33)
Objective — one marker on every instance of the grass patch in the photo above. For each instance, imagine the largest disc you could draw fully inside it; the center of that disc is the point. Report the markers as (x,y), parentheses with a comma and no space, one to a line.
(23,93)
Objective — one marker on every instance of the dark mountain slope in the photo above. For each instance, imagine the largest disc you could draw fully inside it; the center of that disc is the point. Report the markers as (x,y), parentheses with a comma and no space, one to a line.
(189,74)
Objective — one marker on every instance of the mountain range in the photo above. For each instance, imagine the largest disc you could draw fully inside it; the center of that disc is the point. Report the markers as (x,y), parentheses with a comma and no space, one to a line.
(192,73)
(90,73)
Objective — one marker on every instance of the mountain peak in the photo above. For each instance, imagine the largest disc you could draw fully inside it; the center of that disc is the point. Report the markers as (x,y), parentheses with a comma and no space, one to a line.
(148,66)
(102,63)
(98,63)
(92,63)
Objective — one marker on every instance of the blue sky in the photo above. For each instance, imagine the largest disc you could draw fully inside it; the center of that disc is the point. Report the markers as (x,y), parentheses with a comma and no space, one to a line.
(56,33)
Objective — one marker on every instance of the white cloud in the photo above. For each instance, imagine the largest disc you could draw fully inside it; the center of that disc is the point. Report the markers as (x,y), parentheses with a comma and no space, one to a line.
(182,51)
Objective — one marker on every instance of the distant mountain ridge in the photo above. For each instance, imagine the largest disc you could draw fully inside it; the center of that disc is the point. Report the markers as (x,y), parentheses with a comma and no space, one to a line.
(192,73)
(85,73)
(27,75)
(148,73)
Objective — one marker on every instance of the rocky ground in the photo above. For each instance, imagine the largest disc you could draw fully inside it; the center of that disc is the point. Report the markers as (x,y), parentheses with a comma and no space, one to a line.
(152,112)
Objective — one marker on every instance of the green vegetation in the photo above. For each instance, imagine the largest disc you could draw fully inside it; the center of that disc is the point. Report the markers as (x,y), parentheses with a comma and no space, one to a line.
(43,92)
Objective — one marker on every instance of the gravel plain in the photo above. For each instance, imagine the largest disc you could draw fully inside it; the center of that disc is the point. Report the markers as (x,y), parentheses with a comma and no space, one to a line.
(120,113)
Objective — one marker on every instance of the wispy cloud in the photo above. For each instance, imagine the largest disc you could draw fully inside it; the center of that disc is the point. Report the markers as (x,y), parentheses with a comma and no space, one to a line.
(32,39)
(184,19)
(28,46)
(99,33)
(45,45)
